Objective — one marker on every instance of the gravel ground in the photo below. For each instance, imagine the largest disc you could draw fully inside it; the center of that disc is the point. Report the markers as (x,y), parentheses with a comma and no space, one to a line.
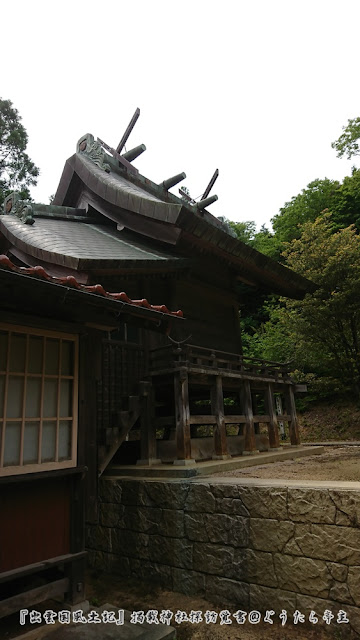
(336,463)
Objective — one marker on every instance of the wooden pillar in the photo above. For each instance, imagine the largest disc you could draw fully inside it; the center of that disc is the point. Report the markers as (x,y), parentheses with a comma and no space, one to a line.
(217,409)
(291,411)
(246,401)
(89,372)
(273,429)
(75,571)
(147,426)
(182,418)
(256,411)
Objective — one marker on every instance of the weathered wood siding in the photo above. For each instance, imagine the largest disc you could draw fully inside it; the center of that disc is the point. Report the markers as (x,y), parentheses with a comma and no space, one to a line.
(212,314)
(35,522)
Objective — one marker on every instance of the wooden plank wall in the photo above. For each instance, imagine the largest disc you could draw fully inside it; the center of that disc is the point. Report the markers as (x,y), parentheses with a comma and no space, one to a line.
(35,522)
(211,315)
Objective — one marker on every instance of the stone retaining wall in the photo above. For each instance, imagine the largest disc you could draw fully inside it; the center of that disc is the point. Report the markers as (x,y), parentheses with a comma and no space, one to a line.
(238,545)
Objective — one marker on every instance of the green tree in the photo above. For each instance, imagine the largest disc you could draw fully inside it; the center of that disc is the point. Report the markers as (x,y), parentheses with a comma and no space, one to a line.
(17,171)
(268,243)
(245,231)
(305,207)
(263,240)
(345,206)
(347,143)
(325,326)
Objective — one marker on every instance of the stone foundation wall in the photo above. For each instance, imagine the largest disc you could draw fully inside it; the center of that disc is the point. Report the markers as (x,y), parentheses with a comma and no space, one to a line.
(238,545)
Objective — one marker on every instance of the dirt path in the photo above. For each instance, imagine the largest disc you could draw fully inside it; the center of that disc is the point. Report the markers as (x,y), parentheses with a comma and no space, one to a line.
(336,463)
(135,596)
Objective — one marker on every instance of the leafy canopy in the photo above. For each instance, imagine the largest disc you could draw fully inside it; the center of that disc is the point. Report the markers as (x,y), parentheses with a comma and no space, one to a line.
(342,200)
(321,332)
(347,143)
(263,240)
(17,171)
(305,207)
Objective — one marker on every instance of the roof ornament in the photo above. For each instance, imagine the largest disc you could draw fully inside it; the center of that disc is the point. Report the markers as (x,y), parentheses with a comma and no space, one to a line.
(92,149)
(128,130)
(185,195)
(210,185)
(122,161)
(126,158)
(202,204)
(206,200)
(171,182)
(22,209)
(134,153)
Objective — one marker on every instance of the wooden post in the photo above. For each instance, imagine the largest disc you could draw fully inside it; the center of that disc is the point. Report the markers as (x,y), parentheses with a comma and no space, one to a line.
(217,409)
(246,401)
(147,426)
(256,411)
(291,411)
(75,571)
(89,372)
(273,429)
(182,418)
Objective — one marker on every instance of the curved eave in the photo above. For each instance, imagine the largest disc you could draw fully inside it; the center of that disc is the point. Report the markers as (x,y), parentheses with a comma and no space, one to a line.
(149,210)
(115,189)
(249,265)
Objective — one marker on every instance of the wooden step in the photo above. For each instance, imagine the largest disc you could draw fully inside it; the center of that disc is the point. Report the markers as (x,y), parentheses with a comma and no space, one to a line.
(117,435)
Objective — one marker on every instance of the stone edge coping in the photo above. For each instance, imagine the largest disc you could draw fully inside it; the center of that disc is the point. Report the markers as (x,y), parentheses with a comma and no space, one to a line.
(246,482)
(281,482)
(207,467)
(333,443)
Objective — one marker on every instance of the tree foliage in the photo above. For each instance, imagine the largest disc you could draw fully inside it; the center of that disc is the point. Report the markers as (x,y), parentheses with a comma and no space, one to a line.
(17,171)
(316,234)
(245,231)
(342,200)
(322,332)
(345,207)
(305,207)
(330,317)
(347,143)
(262,240)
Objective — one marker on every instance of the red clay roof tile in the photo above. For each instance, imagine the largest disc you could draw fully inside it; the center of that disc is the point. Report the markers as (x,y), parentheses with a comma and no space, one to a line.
(97,289)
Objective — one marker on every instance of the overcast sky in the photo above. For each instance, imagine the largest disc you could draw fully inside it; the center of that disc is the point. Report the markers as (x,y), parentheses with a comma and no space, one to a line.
(258,89)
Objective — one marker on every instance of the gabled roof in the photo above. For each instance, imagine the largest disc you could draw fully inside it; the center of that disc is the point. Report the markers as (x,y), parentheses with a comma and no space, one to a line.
(125,192)
(135,203)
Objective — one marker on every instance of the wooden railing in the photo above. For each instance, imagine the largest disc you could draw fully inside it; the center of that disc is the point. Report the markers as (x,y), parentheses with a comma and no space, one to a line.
(197,358)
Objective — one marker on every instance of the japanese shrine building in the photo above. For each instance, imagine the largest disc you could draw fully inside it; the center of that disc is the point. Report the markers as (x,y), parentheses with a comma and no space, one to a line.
(127,370)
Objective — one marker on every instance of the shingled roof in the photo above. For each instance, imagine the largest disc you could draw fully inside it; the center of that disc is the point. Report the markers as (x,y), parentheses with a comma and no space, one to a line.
(80,244)
(138,204)
(107,218)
